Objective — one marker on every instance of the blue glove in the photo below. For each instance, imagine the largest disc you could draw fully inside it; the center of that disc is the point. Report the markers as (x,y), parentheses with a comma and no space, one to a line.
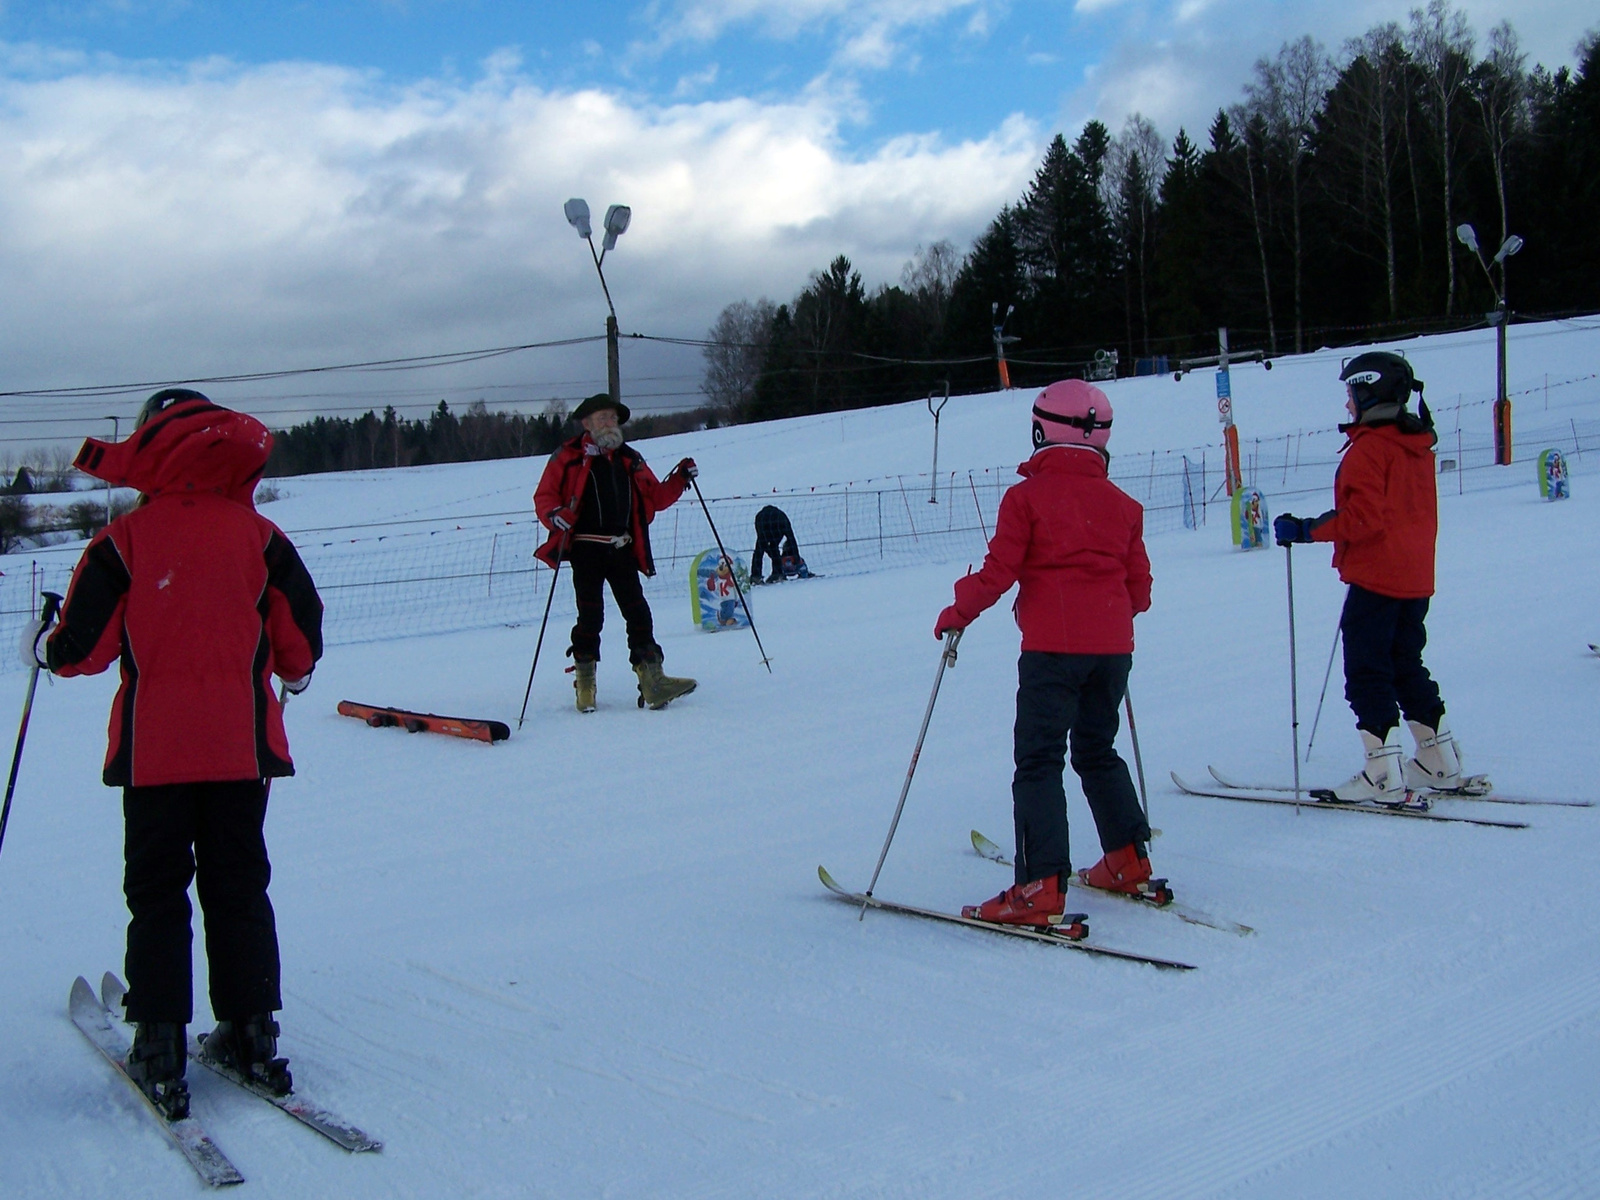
(1287,529)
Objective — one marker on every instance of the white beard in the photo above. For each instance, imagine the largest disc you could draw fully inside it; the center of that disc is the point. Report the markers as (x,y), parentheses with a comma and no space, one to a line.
(607,439)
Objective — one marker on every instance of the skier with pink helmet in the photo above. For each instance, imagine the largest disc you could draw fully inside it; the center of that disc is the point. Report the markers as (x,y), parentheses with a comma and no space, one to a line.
(1074,542)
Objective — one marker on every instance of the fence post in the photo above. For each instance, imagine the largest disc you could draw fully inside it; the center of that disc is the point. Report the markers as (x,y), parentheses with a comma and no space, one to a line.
(494,543)
(880,522)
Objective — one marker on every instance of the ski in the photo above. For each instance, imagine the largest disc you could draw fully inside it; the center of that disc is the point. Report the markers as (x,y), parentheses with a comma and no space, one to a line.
(990,850)
(331,1126)
(1222,793)
(1019,931)
(416,722)
(108,1036)
(1430,793)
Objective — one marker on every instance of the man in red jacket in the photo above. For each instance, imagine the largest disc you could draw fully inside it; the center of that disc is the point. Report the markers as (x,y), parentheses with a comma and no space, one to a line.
(203,601)
(597,497)
(1074,541)
(1383,532)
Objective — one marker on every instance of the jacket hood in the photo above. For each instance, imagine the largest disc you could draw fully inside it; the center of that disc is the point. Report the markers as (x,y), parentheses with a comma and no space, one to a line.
(192,446)
(1067,460)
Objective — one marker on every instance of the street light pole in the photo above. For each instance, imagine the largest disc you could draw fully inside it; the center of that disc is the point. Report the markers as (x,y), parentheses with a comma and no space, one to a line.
(933,496)
(616,224)
(1499,318)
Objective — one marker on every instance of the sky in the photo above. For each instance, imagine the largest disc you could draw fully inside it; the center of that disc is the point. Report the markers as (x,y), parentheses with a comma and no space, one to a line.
(191,188)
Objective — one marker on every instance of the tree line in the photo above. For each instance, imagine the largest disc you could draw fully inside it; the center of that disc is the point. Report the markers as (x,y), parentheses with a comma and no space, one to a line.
(370,441)
(1321,209)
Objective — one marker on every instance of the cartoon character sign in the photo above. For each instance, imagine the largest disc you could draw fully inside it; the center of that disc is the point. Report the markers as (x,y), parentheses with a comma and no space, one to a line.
(1250,519)
(1553,475)
(714,599)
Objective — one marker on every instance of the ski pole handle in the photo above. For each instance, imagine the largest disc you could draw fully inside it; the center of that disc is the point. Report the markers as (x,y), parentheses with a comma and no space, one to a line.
(52,605)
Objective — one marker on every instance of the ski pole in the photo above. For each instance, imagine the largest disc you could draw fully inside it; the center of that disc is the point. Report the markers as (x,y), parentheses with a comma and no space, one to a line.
(765,661)
(1294,678)
(539,645)
(1326,675)
(946,659)
(1138,759)
(52,602)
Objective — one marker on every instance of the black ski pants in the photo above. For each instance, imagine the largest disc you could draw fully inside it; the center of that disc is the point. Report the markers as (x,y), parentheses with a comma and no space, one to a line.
(1383,672)
(774,538)
(210,833)
(1062,697)
(595,564)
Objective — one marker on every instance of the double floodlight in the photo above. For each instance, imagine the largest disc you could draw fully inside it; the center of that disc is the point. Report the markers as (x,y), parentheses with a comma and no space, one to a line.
(616,222)
(1468,237)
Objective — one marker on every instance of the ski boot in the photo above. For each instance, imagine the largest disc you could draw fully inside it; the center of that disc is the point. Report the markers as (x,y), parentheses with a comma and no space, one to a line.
(1042,904)
(657,689)
(1381,781)
(1127,870)
(156,1061)
(250,1047)
(583,683)
(1437,764)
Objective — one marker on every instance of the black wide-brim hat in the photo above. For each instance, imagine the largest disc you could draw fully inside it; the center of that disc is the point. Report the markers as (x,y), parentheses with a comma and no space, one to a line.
(598,401)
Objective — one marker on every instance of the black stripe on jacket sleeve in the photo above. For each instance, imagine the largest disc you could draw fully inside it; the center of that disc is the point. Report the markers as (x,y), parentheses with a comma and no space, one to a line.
(98,586)
(288,574)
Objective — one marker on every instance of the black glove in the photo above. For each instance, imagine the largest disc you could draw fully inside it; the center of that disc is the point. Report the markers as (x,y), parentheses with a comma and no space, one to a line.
(1287,529)
(687,469)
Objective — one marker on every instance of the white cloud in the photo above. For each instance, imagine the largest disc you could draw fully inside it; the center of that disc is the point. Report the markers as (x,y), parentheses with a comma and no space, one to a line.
(168,225)
(867,33)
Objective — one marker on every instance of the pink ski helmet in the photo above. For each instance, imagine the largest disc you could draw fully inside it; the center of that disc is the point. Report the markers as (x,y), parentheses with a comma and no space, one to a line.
(1071,413)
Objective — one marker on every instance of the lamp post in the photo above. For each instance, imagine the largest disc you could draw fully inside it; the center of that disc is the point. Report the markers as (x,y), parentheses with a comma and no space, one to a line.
(1002,340)
(116,435)
(616,224)
(933,496)
(1499,318)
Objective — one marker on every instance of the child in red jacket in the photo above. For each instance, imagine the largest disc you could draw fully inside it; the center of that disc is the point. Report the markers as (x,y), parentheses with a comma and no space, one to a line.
(203,601)
(1383,532)
(1074,541)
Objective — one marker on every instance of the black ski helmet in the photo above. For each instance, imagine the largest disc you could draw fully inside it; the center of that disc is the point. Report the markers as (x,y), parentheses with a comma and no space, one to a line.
(163,400)
(1379,377)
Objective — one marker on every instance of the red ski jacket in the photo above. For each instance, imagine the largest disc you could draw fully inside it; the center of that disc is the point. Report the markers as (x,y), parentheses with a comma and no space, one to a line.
(1075,542)
(566,477)
(201,598)
(1386,514)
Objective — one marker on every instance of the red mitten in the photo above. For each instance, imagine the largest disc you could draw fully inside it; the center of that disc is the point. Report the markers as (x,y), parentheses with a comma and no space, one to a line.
(949,619)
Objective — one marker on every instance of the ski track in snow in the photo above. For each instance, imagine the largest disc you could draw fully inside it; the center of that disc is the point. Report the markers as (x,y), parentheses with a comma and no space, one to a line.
(595,961)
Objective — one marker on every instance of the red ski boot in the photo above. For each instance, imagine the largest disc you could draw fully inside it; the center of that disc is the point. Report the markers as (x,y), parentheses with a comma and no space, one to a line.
(1125,870)
(1042,903)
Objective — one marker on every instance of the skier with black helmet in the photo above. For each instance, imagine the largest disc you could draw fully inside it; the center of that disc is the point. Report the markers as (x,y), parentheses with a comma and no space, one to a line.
(203,601)
(1384,528)
(1074,542)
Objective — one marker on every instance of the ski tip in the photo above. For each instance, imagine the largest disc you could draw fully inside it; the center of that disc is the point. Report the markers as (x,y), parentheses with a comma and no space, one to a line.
(81,993)
(112,990)
(983,845)
(827,880)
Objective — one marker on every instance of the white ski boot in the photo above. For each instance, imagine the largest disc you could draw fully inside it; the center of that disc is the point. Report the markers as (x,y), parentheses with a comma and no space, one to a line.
(1437,764)
(1381,781)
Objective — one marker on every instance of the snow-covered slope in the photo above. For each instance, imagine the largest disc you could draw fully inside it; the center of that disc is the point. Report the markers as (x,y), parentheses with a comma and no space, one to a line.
(1154,413)
(595,960)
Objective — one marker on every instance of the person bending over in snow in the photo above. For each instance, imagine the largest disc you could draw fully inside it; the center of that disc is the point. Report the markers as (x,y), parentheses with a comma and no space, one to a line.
(1075,543)
(775,539)
(1383,532)
(203,600)
(597,497)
